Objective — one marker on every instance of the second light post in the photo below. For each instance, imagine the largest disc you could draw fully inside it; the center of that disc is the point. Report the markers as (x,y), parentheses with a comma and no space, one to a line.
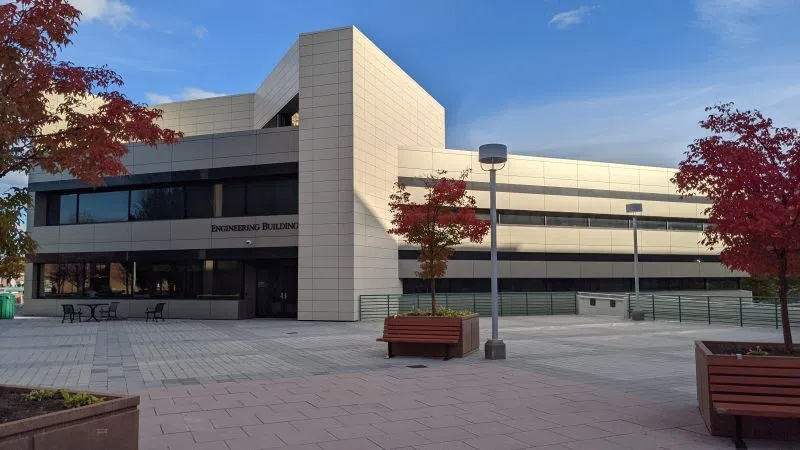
(494,156)
(633,209)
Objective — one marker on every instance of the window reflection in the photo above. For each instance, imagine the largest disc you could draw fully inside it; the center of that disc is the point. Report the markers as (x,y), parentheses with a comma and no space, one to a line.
(157,204)
(102,207)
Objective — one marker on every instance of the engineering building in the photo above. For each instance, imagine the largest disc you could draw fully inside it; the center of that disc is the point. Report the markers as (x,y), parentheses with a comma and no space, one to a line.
(275,205)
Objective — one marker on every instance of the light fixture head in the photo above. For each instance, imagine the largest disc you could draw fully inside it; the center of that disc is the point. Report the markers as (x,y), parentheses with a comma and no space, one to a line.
(492,154)
(632,208)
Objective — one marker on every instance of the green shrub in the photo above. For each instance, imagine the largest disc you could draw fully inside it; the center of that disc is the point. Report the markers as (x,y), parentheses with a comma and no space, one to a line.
(71,399)
(440,312)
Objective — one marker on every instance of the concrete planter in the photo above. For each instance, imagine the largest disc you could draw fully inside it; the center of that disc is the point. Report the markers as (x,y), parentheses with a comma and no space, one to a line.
(752,427)
(468,333)
(113,423)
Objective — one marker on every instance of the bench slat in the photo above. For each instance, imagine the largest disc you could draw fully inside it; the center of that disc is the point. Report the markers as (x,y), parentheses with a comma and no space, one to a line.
(757,381)
(755,371)
(416,330)
(738,409)
(755,399)
(420,341)
(786,362)
(768,390)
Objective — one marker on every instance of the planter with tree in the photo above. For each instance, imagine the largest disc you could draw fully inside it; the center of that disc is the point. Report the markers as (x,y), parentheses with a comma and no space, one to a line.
(749,169)
(445,218)
(58,117)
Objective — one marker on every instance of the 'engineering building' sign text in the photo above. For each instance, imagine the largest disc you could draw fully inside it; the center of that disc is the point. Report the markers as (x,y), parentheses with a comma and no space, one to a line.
(264,226)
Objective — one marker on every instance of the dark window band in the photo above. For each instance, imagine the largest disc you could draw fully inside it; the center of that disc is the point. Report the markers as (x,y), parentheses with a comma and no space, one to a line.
(469,255)
(219,173)
(172,255)
(572,192)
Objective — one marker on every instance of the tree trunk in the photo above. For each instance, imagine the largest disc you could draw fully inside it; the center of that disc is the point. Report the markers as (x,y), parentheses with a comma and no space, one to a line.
(783,293)
(433,296)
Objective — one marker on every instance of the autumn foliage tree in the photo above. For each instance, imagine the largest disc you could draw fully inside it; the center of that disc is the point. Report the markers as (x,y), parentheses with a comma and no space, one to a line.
(750,169)
(55,115)
(445,218)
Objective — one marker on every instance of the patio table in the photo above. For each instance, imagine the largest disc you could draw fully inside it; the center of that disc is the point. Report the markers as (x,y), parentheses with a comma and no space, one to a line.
(92,307)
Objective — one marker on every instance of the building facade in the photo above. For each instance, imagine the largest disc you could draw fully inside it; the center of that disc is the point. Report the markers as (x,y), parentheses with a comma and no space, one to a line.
(274,204)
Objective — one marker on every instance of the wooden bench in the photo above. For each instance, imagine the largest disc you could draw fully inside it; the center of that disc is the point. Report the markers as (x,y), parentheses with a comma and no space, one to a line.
(755,388)
(421,332)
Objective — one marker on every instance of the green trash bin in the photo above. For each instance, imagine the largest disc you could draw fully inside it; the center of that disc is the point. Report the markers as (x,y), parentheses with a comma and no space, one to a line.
(7,301)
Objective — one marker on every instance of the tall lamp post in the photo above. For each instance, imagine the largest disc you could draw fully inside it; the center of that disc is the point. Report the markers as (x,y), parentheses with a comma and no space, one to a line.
(493,157)
(633,209)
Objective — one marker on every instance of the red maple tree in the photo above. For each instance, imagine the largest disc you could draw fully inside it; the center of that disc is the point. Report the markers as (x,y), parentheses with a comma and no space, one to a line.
(443,220)
(58,116)
(750,169)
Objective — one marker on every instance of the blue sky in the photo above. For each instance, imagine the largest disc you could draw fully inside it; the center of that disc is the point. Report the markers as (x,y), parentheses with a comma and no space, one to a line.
(607,80)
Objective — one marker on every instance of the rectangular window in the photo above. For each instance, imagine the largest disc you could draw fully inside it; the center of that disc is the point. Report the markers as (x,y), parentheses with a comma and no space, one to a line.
(159,279)
(520,219)
(608,223)
(722,283)
(652,224)
(157,204)
(199,201)
(227,279)
(676,225)
(60,280)
(100,207)
(566,221)
(233,199)
(62,209)
(272,197)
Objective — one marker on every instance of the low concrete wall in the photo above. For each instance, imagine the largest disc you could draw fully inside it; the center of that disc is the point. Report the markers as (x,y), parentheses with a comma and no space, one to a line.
(135,308)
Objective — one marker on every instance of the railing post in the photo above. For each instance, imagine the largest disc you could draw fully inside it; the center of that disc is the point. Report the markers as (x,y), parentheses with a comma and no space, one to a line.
(741,313)
(776,316)
(474,303)
(417,300)
(680,319)
(653,299)
(575,302)
(550,311)
(388,310)
(359,308)
(500,304)
(708,302)
(527,308)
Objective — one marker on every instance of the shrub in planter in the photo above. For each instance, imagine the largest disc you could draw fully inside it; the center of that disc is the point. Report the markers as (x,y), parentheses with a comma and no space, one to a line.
(59,419)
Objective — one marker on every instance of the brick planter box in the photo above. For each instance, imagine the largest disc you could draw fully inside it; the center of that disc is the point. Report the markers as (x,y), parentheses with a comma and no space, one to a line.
(112,424)
(465,330)
(708,355)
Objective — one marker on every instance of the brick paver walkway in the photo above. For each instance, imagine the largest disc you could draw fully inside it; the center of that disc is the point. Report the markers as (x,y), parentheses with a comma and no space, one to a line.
(569,382)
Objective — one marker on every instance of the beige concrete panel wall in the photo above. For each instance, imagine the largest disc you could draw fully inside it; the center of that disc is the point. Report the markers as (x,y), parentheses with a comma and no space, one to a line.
(389,111)
(163,235)
(326,206)
(267,146)
(280,86)
(223,114)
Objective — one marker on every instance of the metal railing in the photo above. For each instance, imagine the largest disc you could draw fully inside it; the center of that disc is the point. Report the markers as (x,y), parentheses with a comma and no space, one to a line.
(511,303)
(710,309)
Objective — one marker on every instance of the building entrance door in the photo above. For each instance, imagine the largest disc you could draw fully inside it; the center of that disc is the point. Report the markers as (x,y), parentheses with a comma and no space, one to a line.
(276,289)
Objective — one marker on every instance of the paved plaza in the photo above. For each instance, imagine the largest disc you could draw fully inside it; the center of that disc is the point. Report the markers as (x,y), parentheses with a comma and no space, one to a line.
(570,382)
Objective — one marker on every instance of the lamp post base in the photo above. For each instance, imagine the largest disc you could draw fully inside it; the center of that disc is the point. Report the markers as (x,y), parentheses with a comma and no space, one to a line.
(637,315)
(495,349)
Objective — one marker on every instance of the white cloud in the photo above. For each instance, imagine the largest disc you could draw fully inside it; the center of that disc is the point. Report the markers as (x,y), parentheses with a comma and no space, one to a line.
(189,93)
(200,32)
(650,125)
(13,179)
(566,19)
(732,20)
(112,12)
